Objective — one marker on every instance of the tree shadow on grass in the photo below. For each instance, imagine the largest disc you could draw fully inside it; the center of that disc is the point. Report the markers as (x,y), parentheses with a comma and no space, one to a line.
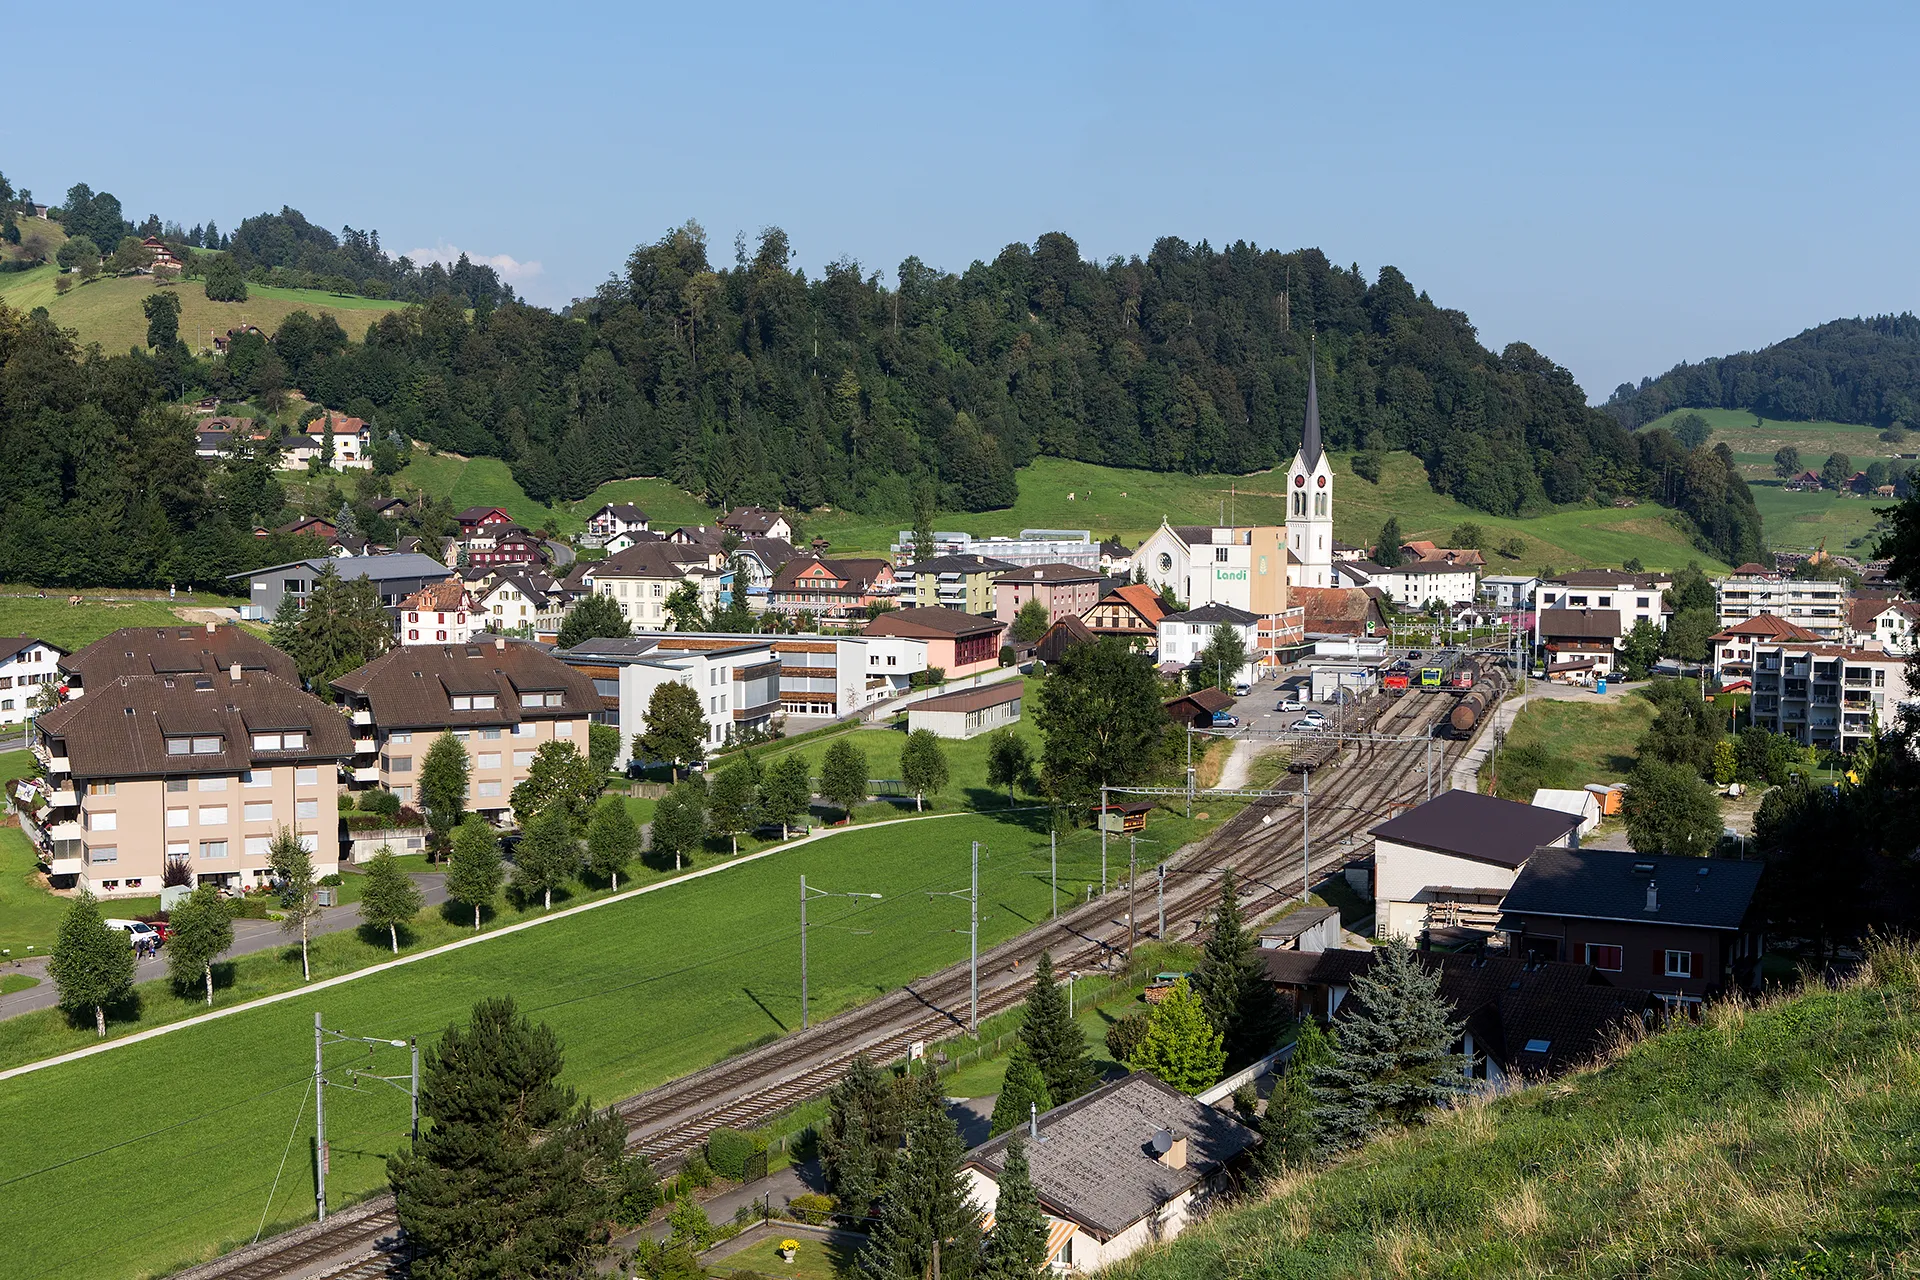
(125,1010)
(456,912)
(375,935)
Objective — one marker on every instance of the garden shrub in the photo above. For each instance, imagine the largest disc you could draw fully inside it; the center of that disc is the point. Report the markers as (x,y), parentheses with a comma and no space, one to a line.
(730,1150)
(812,1208)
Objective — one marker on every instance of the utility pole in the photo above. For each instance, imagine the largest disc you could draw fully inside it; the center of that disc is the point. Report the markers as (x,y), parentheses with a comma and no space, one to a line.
(1103,824)
(1053,869)
(972,895)
(319,1124)
(1429,762)
(1132,877)
(1160,908)
(414,1043)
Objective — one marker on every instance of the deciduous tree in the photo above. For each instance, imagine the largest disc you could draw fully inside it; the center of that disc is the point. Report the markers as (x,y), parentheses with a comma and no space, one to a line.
(389,898)
(676,727)
(292,868)
(1219,663)
(593,617)
(1100,718)
(612,839)
(787,791)
(923,765)
(474,872)
(198,930)
(1670,809)
(560,780)
(443,787)
(843,776)
(1032,621)
(92,965)
(603,748)
(1009,762)
(1786,461)
(680,821)
(162,310)
(547,855)
(733,803)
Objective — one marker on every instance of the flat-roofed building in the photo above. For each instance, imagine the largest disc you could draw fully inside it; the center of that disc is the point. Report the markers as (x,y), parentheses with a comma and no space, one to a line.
(968,713)
(1827,695)
(736,677)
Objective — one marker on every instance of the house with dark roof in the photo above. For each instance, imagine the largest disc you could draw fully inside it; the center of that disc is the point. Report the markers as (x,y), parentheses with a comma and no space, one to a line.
(837,589)
(502,698)
(1684,927)
(473,518)
(26,664)
(1581,644)
(643,577)
(439,613)
(208,649)
(968,713)
(1521,1017)
(394,575)
(1733,647)
(1198,708)
(1448,862)
(1061,636)
(615,517)
(185,765)
(960,644)
(1064,590)
(1413,584)
(1133,1163)
(1184,636)
(757,522)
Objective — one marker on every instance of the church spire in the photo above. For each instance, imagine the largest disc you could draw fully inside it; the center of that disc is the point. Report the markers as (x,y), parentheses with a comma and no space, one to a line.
(1310,437)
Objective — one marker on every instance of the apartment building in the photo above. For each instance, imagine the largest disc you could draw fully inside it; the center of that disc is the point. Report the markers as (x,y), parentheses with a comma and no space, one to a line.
(737,678)
(1827,695)
(503,698)
(1066,590)
(643,576)
(1244,567)
(1887,621)
(26,664)
(1034,546)
(444,613)
(194,767)
(1414,584)
(1635,597)
(1184,636)
(1732,649)
(1509,590)
(962,582)
(204,650)
(1819,606)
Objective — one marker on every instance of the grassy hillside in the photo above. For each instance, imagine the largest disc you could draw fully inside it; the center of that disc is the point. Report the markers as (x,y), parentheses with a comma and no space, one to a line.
(1780,1141)
(108,310)
(1569,744)
(25,611)
(1057,494)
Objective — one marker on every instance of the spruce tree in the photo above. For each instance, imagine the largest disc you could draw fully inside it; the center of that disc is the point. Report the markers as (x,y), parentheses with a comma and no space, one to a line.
(513,1175)
(1182,1047)
(1022,1090)
(473,871)
(1392,1056)
(856,1182)
(612,839)
(1058,1046)
(389,898)
(1289,1134)
(927,1212)
(92,965)
(1232,983)
(861,1136)
(1018,1249)
(284,634)
(198,930)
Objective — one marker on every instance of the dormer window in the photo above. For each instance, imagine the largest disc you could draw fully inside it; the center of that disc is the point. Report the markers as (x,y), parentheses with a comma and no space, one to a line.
(279,741)
(473,701)
(193,746)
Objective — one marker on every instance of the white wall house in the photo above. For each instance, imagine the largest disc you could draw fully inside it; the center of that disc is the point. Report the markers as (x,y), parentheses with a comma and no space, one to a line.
(1414,585)
(1509,591)
(1184,635)
(736,680)
(25,665)
(1635,596)
(1458,848)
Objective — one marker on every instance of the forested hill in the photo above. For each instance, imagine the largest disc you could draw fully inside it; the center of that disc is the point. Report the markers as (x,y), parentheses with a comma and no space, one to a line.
(1864,371)
(752,382)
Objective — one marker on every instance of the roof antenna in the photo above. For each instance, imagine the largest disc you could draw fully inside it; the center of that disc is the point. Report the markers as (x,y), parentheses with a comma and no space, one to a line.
(1033,1121)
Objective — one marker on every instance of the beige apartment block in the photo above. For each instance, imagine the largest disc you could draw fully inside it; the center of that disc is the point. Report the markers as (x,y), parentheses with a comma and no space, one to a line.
(195,768)
(503,698)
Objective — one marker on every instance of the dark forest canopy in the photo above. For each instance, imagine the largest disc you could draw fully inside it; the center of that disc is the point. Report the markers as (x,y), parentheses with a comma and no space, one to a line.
(287,242)
(754,383)
(1864,371)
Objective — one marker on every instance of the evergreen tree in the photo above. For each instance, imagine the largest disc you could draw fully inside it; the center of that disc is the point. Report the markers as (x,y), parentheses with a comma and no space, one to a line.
(1182,1047)
(1289,1135)
(1054,1039)
(787,791)
(343,627)
(927,1218)
(560,780)
(843,776)
(1389,553)
(443,787)
(389,898)
(612,839)
(1232,983)
(1392,1056)
(473,871)
(513,1175)
(292,869)
(1022,1090)
(923,765)
(546,856)
(1009,762)
(680,821)
(284,634)
(676,727)
(861,1136)
(1018,1249)
(733,803)
(92,965)
(198,930)
(593,617)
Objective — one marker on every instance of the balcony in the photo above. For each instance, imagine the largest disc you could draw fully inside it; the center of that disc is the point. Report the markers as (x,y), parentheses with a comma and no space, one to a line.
(66,864)
(50,762)
(361,716)
(64,797)
(364,745)
(68,830)
(366,773)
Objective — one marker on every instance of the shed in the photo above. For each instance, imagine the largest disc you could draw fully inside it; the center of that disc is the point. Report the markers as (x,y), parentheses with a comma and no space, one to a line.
(970,712)
(1308,929)
(1130,816)
(1569,800)
(1197,708)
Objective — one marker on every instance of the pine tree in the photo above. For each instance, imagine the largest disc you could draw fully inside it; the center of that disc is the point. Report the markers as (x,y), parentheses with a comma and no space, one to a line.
(862,1132)
(443,787)
(1232,983)
(198,930)
(512,1175)
(92,965)
(843,776)
(1392,1055)
(1023,1091)
(284,634)
(1055,1040)
(1289,1134)
(1182,1047)
(612,839)
(473,872)
(856,1183)
(389,898)
(787,791)
(927,1212)
(292,868)
(1018,1249)
(546,856)
(923,765)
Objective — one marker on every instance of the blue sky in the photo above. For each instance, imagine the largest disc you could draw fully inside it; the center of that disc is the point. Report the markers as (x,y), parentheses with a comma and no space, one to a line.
(1623,187)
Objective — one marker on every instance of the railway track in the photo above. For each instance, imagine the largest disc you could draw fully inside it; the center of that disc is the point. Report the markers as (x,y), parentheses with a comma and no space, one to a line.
(1262,842)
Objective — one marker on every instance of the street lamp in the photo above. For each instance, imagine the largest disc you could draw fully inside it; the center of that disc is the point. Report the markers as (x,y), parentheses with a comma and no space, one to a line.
(806,893)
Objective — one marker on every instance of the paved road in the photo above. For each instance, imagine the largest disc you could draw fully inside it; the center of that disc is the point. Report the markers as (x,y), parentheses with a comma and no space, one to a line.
(248,936)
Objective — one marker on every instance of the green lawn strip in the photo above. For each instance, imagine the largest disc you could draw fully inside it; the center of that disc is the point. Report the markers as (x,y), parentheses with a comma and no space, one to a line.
(17,764)
(1802,520)
(1579,742)
(815,1259)
(25,611)
(640,990)
(13,982)
(29,914)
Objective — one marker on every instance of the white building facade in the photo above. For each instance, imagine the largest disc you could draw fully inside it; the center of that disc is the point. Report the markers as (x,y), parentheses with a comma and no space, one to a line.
(28,665)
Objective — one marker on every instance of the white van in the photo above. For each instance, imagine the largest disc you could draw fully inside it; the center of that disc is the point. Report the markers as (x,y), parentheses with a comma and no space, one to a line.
(137,931)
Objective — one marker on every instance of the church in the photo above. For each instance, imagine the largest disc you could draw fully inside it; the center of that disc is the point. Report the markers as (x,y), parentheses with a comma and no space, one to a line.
(1310,500)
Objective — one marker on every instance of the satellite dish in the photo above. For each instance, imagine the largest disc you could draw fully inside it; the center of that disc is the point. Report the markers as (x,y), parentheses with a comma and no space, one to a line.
(1162,1141)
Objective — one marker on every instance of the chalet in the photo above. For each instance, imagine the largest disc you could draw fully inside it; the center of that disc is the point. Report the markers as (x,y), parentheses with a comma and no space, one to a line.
(1684,927)
(1197,708)
(1447,862)
(493,544)
(754,522)
(758,561)
(1581,644)
(643,577)
(474,518)
(836,589)
(440,613)
(523,600)
(1879,619)
(1126,1167)
(312,526)
(25,665)
(1133,611)
(162,256)
(617,517)
(1426,552)
(223,343)
(391,508)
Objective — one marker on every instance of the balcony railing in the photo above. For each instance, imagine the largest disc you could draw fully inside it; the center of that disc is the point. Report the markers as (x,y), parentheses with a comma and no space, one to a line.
(362,716)
(366,773)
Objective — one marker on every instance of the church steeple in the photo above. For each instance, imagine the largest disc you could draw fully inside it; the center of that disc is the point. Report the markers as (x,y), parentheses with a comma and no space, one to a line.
(1310,437)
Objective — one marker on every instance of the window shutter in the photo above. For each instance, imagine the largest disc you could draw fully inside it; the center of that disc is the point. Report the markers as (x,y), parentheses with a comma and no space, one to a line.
(1700,965)
(1660,961)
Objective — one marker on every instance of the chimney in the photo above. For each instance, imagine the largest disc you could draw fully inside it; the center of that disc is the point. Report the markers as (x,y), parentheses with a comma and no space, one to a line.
(210,627)
(1653,895)
(1033,1121)
(499,642)
(1170,1150)
(233,673)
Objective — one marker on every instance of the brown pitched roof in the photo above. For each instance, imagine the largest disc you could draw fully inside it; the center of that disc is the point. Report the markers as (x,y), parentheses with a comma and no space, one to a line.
(652,560)
(749,519)
(1139,597)
(159,651)
(450,594)
(1049,573)
(1466,824)
(1583,624)
(929,623)
(1337,610)
(1207,701)
(1766,626)
(978,698)
(1066,631)
(120,728)
(411,687)
(10,645)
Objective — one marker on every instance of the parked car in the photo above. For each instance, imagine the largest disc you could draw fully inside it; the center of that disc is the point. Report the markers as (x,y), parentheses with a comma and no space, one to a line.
(137,931)
(1222,720)
(1316,715)
(1304,725)
(1241,688)
(1291,704)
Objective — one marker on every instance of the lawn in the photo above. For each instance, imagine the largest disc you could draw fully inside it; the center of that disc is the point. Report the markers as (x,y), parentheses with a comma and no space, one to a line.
(1759,438)
(108,312)
(28,611)
(1802,521)
(816,1259)
(639,991)
(1569,744)
(29,915)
